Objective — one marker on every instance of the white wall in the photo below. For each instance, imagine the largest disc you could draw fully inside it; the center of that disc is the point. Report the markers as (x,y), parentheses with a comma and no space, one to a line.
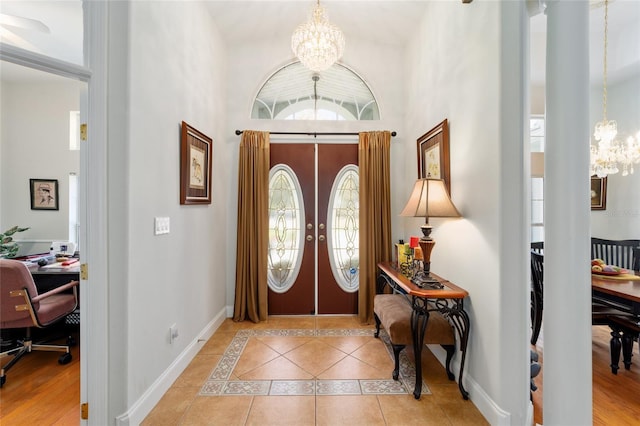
(35,144)
(454,71)
(167,64)
(621,219)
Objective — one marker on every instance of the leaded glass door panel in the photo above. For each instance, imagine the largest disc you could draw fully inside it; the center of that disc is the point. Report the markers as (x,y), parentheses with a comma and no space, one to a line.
(338,268)
(313,210)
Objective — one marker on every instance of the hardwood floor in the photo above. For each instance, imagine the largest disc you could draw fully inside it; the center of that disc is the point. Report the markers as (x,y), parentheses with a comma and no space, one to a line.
(40,391)
(615,397)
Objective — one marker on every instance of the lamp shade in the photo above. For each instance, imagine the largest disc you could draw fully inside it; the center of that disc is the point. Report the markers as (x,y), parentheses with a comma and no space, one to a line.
(429,198)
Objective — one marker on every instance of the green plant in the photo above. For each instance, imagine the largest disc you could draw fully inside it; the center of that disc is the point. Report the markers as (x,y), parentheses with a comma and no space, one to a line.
(8,247)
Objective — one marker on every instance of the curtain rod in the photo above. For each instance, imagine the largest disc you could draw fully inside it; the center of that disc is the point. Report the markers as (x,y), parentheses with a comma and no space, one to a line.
(314,134)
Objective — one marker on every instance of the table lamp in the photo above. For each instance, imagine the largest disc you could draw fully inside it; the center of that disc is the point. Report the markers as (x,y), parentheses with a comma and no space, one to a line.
(429,198)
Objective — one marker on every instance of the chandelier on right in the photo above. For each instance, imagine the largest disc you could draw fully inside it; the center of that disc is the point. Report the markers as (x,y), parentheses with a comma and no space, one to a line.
(608,155)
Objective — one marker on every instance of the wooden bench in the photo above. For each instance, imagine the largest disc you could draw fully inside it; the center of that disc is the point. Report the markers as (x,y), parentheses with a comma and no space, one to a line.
(393,312)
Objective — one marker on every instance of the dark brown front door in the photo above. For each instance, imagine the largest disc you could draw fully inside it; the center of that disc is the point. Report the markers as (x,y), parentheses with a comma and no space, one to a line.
(315,289)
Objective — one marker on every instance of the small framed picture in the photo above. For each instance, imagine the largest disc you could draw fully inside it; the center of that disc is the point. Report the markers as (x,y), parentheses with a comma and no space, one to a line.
(598,193)
(195,166)
(44,194)
(433,154)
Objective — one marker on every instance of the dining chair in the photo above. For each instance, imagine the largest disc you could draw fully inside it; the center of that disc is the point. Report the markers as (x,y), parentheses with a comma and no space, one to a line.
(538,247)
(537,293)
(616,252)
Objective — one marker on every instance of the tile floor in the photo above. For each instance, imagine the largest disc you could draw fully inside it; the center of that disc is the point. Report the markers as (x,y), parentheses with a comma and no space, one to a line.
(308,371)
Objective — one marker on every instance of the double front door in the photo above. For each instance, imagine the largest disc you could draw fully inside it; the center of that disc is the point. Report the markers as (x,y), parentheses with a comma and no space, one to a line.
(313,229)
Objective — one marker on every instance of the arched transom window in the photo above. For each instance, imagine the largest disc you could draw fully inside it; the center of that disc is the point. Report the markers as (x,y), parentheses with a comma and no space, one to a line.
(297,93)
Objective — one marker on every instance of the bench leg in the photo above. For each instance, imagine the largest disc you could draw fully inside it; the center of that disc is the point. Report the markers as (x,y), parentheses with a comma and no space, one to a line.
(451,349)
(377,333)
(396,360)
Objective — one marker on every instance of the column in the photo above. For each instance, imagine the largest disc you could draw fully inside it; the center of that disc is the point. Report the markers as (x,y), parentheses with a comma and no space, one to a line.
(567,281)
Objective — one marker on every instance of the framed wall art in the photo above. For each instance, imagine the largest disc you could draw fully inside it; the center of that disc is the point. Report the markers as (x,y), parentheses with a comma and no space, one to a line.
(195,166)
(598,193)
(433,154)
(44,194)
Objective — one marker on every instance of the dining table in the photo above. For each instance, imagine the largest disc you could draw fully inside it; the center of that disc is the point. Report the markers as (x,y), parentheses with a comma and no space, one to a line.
(621,292)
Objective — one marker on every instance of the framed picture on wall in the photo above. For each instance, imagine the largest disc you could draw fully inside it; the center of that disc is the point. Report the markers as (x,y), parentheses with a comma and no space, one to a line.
(598,193)
(44,194)
(195,166)
(433,154)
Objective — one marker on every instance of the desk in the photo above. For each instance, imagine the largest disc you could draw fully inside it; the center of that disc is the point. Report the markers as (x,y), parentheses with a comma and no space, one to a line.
(623,295)
(448,301)
(49,278)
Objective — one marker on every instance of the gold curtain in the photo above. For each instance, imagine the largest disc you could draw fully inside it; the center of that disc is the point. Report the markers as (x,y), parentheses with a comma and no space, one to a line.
(253,218)
(375,215)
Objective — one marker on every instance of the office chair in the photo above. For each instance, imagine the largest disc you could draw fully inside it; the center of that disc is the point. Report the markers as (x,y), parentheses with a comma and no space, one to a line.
(22,307)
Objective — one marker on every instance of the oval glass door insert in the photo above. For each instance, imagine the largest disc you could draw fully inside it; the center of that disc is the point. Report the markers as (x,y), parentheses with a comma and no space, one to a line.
(286,228)
(343,228)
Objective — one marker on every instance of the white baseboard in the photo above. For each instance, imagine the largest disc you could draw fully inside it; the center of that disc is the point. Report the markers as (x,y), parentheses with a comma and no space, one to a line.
(487,407)
(143,406)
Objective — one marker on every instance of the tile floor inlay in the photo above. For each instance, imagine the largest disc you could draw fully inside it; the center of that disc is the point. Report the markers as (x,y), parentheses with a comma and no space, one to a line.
(219,383)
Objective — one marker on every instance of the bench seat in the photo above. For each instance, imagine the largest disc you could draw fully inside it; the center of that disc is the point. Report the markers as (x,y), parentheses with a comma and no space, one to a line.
(393,312)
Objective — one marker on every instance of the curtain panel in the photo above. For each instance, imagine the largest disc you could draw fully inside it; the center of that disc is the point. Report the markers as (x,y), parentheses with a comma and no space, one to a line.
(375,214)
(253,227)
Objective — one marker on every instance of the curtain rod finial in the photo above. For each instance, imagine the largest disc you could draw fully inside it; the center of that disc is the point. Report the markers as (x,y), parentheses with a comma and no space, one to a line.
(238,132)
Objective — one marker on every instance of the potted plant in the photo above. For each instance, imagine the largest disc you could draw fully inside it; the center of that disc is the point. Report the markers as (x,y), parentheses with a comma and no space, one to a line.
(8,247)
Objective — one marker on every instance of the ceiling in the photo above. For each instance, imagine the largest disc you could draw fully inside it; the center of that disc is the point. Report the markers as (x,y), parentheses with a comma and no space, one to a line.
(241,21)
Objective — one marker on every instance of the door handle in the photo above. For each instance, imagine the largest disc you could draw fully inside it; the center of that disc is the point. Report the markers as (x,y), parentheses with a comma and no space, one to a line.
(321,226)
(321,238)
(309,237)
(309,226)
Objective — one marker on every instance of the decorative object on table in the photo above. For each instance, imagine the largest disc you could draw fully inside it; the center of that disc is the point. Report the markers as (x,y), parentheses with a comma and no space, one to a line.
(317,43)
(195,166)
(8,247)
(44,194)
(407,266)
(433,154)
(429,198)
(598,193)
(608,153)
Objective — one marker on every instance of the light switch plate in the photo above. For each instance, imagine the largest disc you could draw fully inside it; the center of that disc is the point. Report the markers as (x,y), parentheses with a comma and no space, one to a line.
(162,225)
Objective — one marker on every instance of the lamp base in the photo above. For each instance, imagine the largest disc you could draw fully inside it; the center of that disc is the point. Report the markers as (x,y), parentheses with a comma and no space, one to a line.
(424,280)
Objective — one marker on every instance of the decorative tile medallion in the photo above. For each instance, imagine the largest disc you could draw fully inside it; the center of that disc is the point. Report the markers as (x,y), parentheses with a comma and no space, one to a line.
(218,383)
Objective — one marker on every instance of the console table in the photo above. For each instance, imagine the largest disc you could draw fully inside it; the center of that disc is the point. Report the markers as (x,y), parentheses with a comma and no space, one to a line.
(447,300)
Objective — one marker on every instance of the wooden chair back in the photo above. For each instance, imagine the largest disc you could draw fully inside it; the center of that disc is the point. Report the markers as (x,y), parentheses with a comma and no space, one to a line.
(616,252)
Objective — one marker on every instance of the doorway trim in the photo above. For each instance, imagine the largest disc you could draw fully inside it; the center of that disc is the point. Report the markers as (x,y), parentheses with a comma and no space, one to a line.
(94,381)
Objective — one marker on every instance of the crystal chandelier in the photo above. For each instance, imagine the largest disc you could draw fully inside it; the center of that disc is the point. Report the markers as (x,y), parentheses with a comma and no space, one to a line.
(317,43)
(608,154)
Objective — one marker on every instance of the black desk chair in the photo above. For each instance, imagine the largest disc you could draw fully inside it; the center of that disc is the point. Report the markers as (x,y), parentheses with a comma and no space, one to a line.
(22,307)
